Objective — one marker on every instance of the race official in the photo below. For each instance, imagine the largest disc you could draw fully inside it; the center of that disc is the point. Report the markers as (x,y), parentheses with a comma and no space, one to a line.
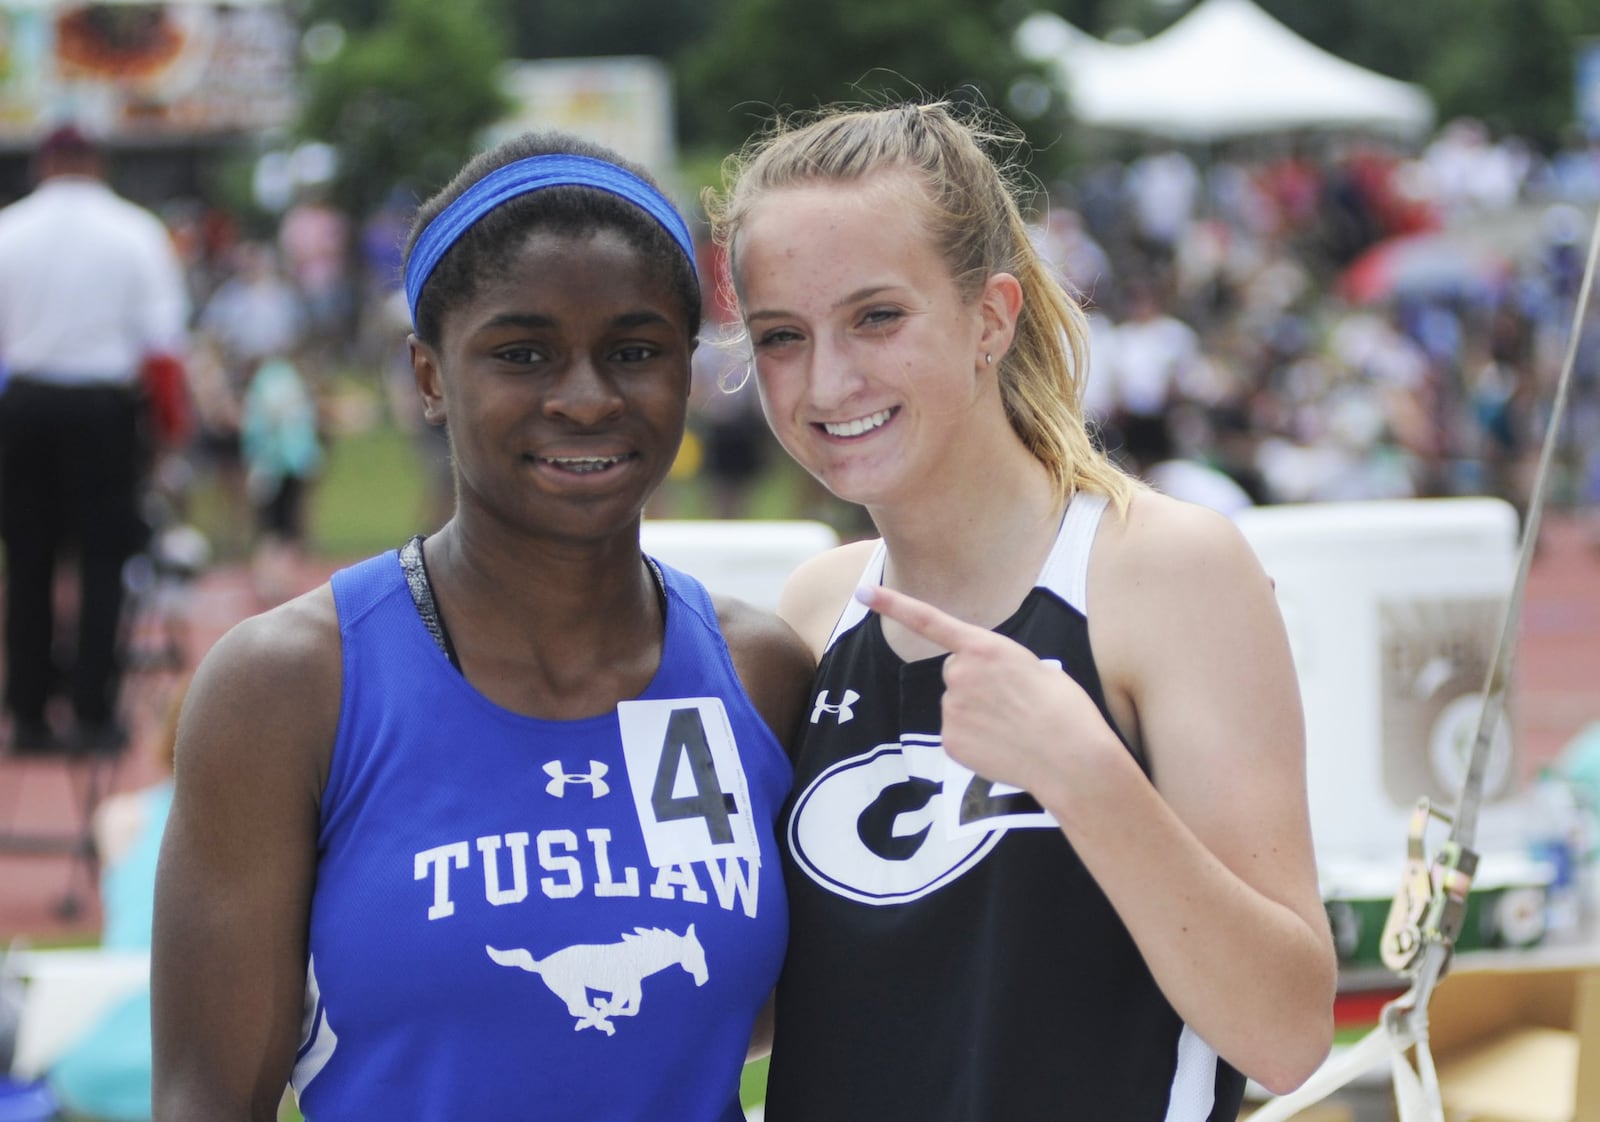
(91,292)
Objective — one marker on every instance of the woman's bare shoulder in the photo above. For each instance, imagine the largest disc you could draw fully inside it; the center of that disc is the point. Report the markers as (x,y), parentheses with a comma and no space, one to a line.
(1172,587)
(292,644)
(773,663)
(1166,544)
(820,587)
(270,687)
(759,632)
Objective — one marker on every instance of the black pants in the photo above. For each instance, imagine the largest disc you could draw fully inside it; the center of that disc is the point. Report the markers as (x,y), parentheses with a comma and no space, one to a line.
(70,467)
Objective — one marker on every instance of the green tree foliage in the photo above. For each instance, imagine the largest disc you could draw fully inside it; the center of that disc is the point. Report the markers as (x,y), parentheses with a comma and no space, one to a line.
(1509,62)
(353,15)
(563,29)
(407,97)
(767,56)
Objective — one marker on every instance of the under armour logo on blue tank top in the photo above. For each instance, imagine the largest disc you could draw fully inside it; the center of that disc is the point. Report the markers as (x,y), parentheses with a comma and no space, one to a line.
(560,778)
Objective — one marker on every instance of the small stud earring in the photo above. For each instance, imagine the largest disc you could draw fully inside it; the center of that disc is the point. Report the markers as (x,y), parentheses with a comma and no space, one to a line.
(988,360)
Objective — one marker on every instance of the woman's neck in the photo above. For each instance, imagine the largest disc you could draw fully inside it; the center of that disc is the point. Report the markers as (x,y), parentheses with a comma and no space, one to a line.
(544,589)
(976,548)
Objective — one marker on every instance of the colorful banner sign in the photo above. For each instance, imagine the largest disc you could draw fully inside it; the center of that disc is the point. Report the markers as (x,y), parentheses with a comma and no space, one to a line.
(146,71)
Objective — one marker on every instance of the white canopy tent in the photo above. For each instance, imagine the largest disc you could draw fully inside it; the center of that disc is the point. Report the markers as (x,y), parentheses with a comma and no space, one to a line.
(1225,69)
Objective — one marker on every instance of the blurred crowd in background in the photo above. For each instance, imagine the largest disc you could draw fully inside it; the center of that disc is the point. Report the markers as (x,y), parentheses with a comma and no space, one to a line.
(1322,319)
(1358,323)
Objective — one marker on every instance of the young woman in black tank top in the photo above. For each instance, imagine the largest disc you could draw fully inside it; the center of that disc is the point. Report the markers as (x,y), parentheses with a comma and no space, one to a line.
(1049,846)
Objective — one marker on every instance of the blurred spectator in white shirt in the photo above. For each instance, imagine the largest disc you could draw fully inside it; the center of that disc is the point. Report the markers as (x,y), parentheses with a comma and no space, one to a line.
(92,296)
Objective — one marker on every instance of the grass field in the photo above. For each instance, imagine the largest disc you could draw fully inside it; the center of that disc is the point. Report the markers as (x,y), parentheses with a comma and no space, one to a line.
(372,496)
(376,488)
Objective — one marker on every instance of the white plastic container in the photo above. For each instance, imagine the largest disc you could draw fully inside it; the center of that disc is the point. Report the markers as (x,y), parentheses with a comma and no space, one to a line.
(1393,610)
(746,558)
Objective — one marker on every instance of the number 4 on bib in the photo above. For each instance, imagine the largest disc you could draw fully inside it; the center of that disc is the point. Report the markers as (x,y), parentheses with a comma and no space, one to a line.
(686,751)
(688,785)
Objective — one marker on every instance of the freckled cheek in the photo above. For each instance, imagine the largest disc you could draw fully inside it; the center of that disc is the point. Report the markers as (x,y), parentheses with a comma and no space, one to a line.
(781,389)
(891,366)
(793,436)
(768,375)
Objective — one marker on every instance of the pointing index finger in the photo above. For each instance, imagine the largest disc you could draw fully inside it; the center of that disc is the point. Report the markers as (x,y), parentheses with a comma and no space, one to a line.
(924,619)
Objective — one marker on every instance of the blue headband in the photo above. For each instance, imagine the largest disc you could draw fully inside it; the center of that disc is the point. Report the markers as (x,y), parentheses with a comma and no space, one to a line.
(524,177)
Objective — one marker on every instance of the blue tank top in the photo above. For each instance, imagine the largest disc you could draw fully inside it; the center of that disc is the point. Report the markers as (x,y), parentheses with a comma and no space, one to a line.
(518,918)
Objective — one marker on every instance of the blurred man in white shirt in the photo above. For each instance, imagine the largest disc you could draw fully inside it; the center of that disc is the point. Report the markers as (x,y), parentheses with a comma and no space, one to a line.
(91,291)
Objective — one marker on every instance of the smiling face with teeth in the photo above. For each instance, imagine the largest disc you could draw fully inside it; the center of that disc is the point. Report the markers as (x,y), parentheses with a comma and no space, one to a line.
(869,356)
(564,384)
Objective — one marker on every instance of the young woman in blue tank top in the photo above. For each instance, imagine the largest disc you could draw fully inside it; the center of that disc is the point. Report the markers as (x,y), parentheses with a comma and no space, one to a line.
(1049,850)
(485,827)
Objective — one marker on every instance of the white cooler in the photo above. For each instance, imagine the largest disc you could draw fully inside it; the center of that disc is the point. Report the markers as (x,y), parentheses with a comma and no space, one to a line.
(746,558)
(1393,610)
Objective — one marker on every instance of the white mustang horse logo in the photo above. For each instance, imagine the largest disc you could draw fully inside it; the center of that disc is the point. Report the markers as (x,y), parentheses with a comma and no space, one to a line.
(617,969)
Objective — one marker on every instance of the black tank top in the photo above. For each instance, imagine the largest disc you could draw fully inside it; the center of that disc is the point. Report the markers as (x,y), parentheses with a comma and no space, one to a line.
(950,957)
